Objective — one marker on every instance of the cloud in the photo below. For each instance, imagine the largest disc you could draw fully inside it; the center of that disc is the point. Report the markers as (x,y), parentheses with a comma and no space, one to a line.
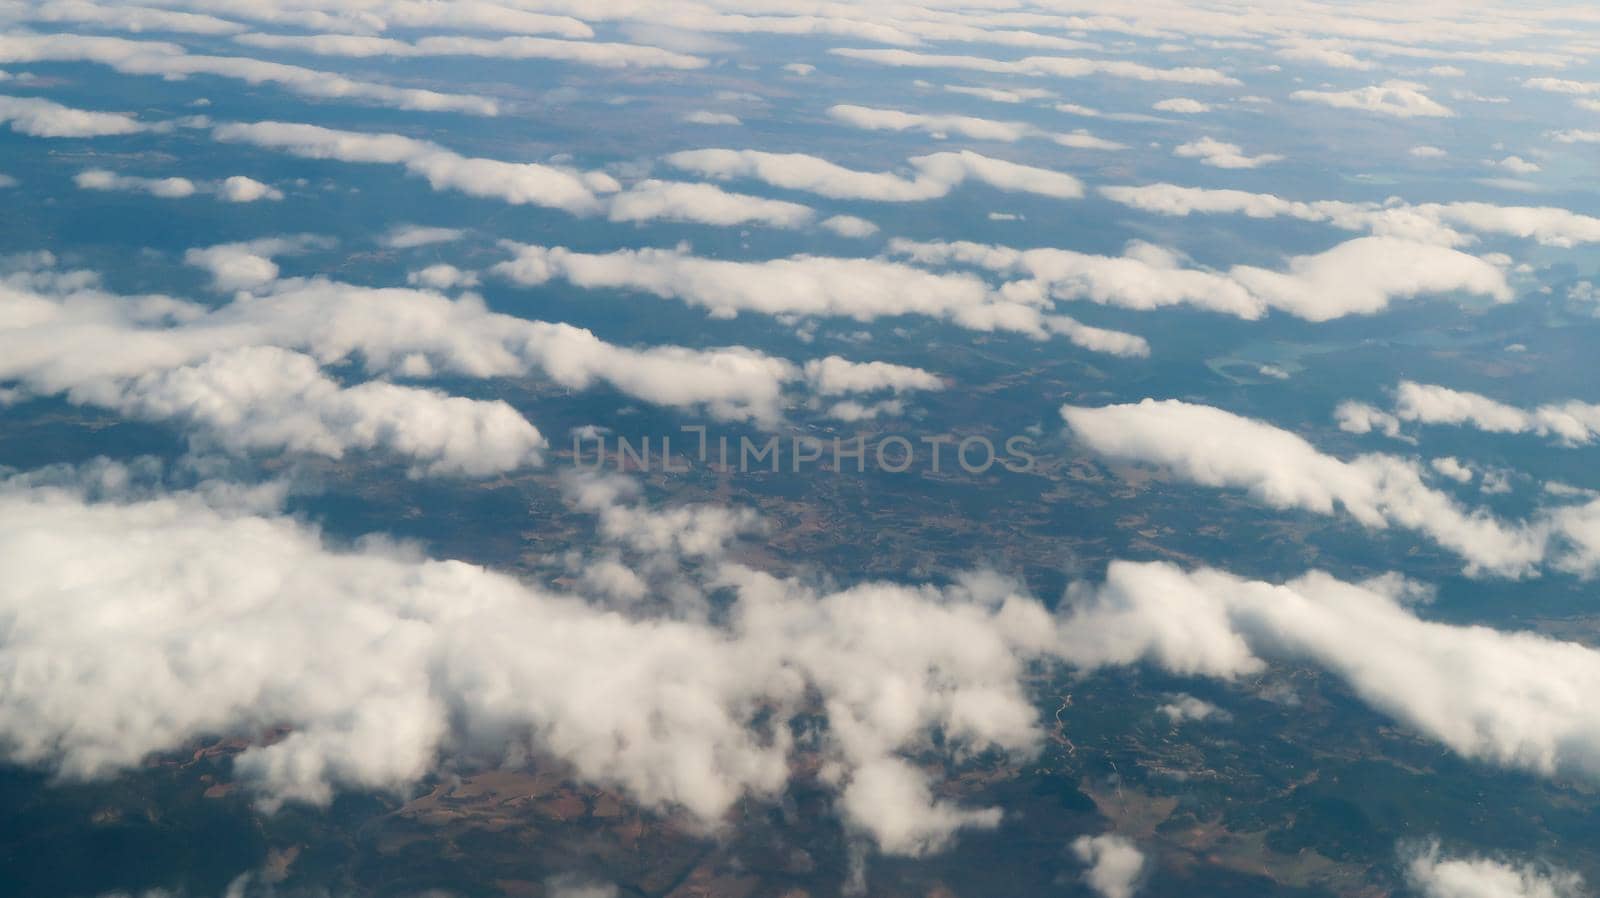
(849,226)
(972,127)
(1115,864)
(1424,222)
(1516,165)
(941,126)
(247,265)
(1046,66)
(37,117)
(833,376)
(59,334)
(1403,99)
(263,398)
(1183,105)
(1217,154)
(808,286)
(1186,707)
(997,95)
(1515,700)
(1357,277)
(706,117)
(935,175)
(1427,152)
(1211,447)
(377,662)
(517,183)
(125,18)
(235,189)
(1435,875)
(172,61)
(1569,423)
(413,236)
(442,277)
(591,53)
(705,204)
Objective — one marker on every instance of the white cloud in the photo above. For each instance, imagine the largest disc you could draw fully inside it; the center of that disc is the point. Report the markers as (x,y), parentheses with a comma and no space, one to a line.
(247,265)
(1569,422)
(412,236)
(935,175)
(872,119)
(833,376)
(1217,154)
(264,398)
(1517,165)
(808,286)
(37,117)
(1425,222)
(1403,99)
(1357,277)
(240,189)
(235,189)
(517,183)
(706,117)
(998,95)
(442,277)
(592,53)
(1211,447)
(1186,707)
(363,655)
(704,203)
(849,226)
(1183,105)
(1427,152)
(125,18)
(941,126)
(1115,864)
(1516,700)
(1048,66)
(1435,875)
(171,61)
(1563,86)
(166,188)
(58,334)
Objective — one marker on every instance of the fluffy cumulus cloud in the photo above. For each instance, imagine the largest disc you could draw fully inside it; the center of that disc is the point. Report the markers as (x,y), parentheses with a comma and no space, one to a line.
(1182,105)
(375,661)
(1435,874)
(1040,66)
(172,61)
(1211,447)
(1511,699)
(1218,154)
(37,117)
(242,372)
(1114,864)
(524,183)
(591,53)
(1422,222)
(1568,423)
(652,200)
(1402,99)
(262,398)
(935,175)
(1357,277)
(234,189)
(942,125)
(807,286)
(517,183)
